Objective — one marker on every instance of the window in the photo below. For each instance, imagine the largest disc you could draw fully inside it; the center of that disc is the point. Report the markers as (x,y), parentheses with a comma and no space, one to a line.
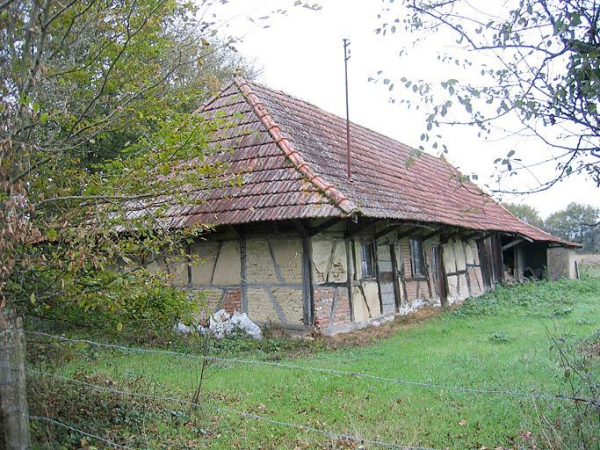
(417,261)
(368,260)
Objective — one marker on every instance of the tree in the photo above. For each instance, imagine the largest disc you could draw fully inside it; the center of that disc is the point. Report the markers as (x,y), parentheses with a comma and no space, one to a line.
(526,213)
(94,99)
(538,63)
(577,223)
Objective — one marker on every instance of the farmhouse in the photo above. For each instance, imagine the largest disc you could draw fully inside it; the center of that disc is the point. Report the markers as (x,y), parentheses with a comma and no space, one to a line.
(301,243)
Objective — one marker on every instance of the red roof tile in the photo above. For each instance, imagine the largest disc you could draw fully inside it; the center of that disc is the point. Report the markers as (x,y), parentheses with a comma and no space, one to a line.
(291,156)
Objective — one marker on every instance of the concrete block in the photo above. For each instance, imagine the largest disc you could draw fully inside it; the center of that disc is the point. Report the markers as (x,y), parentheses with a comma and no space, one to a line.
(359,306)
(453,288)
(464,289)
(469,252)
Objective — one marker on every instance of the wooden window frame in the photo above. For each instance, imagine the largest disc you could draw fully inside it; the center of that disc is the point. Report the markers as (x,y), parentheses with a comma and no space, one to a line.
(367,260)
(417,259)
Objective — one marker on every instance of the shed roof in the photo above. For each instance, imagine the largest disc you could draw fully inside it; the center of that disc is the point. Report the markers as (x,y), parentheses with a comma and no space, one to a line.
(291,157)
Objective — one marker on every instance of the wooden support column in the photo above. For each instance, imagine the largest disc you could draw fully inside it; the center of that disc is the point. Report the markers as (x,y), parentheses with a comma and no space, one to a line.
(244,275)
(378,275)
(350,272)
(308,304)
(307,293)
(396,273)
(14,418)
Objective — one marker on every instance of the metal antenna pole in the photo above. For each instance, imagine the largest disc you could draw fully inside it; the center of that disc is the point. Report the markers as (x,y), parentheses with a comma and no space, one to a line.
(346,58)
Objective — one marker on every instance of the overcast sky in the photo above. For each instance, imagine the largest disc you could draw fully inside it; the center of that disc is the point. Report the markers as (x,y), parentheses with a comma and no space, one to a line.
(301,53)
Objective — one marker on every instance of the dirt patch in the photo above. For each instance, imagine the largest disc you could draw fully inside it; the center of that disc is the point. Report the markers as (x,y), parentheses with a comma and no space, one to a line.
(373,334)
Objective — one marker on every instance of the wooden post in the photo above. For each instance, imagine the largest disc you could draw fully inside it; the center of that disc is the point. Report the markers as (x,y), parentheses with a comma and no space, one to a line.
(14,419)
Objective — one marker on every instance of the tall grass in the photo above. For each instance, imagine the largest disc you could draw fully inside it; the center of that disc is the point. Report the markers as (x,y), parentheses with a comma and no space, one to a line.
(503,341)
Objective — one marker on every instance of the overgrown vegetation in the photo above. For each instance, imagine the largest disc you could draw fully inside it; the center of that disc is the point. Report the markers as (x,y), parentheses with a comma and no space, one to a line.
(96,102)
(533,340)
(537,70)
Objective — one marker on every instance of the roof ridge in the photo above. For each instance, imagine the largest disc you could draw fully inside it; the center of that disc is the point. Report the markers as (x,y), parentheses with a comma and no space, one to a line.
(339,199)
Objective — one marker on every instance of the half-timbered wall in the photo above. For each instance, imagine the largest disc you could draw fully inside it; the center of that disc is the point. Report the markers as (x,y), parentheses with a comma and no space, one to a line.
(463,272)
(365,289)
(419,289)
(261,276)
(274,283)
(293,280)
(216,271)
(329,275)
(337,263)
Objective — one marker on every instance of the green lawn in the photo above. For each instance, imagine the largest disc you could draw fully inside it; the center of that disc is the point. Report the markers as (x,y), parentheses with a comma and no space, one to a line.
(498,342)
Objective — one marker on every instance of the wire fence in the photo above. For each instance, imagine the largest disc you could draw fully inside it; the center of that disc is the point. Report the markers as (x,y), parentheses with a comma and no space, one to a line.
(78,431)
(248,414)
(343,373)
(221,409)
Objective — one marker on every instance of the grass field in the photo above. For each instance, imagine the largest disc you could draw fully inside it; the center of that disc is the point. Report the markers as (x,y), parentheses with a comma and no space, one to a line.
(499,342)
(589,265)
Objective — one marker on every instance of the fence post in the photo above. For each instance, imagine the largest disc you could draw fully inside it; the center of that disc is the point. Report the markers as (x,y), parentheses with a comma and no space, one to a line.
(14,419)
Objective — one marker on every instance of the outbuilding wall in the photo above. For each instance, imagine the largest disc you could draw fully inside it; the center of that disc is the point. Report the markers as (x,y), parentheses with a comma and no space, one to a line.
(297,281)
(344,298)
(561,263)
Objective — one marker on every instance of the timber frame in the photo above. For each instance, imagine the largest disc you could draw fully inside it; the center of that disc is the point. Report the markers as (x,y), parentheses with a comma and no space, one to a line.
(307,274)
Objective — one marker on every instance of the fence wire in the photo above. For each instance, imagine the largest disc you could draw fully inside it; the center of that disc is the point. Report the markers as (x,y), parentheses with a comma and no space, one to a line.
(219,409)
(532,396)
(77,430)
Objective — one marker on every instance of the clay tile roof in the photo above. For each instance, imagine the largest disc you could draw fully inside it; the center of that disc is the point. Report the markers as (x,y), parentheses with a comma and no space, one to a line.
(292,159)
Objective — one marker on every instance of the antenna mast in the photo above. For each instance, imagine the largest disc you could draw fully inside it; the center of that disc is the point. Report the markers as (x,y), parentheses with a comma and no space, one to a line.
(346,58)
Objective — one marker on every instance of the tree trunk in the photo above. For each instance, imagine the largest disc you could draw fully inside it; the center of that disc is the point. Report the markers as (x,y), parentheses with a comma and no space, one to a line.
(14,419)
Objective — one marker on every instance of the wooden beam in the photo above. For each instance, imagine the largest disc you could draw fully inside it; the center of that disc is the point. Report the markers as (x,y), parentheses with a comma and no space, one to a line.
(512,244)
(324,226)
(350,271)
(470,236)
(378,275)
(243,275)
(407,232)
(308,306)
(387,230)
(361,227)
(485,236)
(432,234)
(237,231)
(300,227)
